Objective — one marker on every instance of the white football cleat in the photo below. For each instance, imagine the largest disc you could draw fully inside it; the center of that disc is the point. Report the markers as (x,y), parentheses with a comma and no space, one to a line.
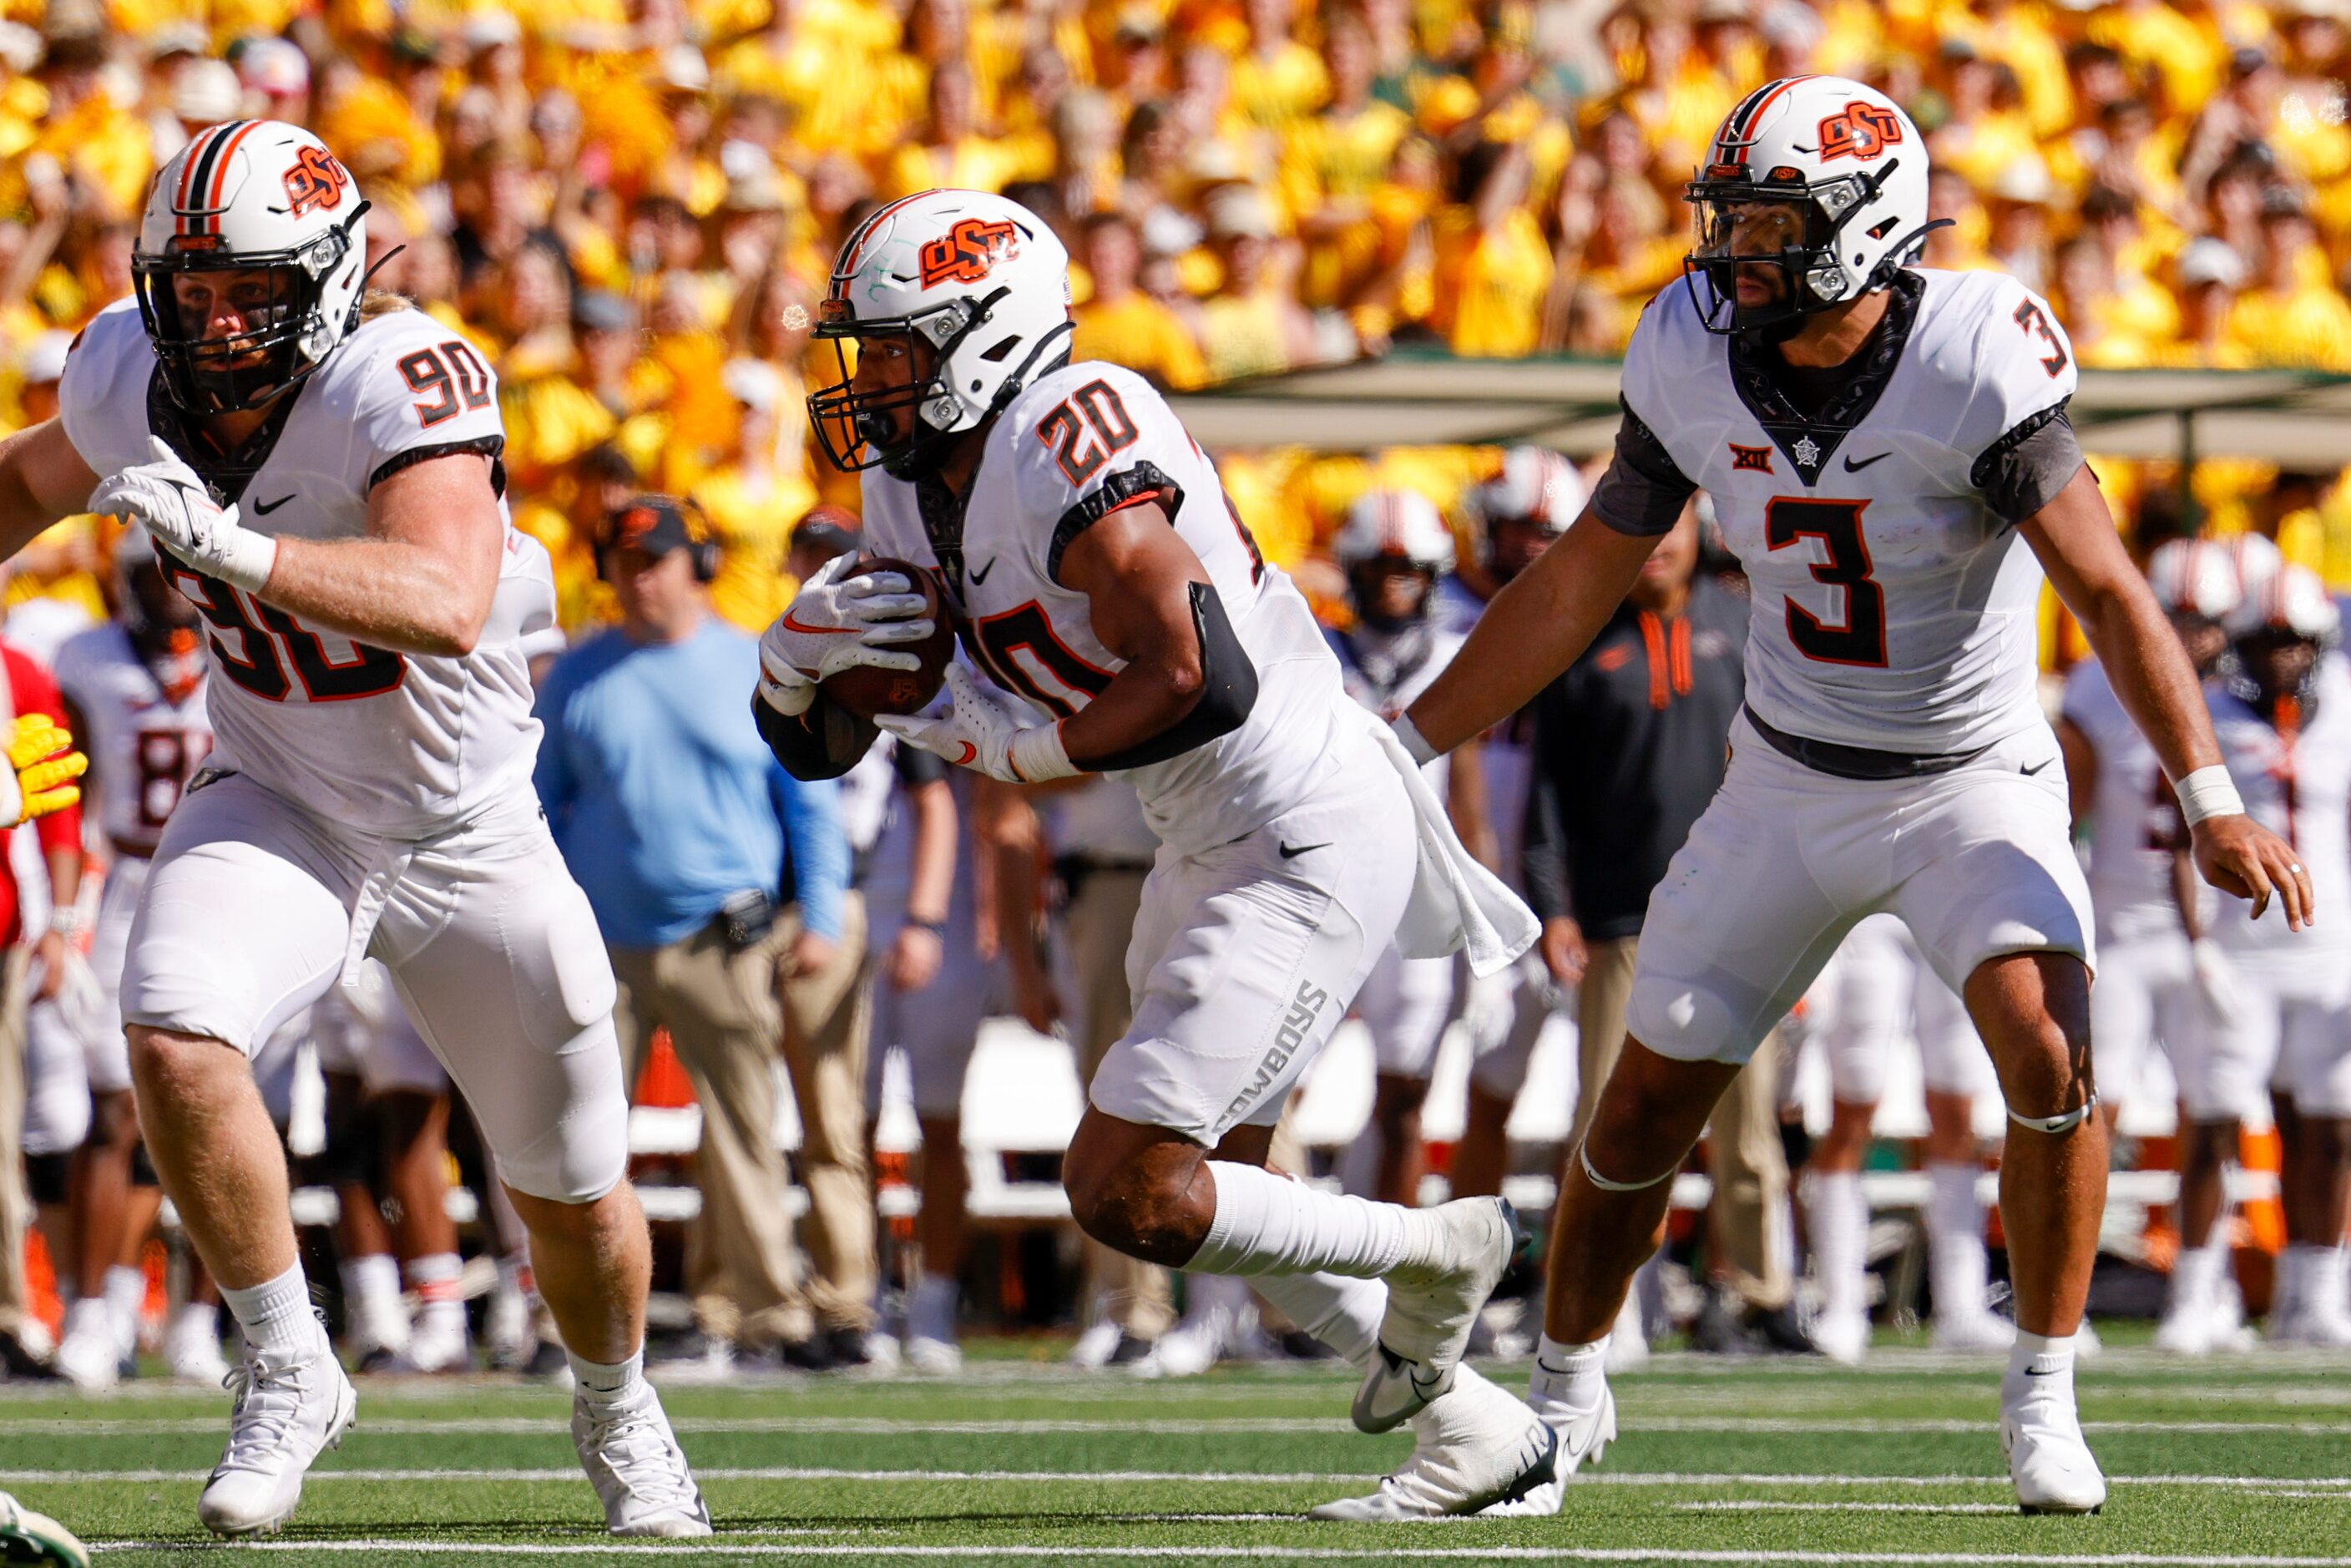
(2047,1456)
(437,1347)
(638,1470)
(1842,1337)
(289,1410)
(192,1349)
(1479,1451)
(938,1357)
(507,1330)
(1095,1347)
(2087,1345)
(1628,1342)
(90,1355)
(2185,1331)
(1584,1430)
(1978,1332)
(1430,1308)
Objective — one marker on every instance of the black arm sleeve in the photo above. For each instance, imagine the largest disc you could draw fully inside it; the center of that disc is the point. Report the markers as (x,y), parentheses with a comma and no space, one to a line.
(1643,491)
(1542,856)
(825,742)
(1228,692)
(2023,470)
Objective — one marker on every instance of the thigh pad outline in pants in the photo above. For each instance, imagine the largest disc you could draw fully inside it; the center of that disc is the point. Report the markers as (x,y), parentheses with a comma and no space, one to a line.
(1743,923)
(244,920)
(1248,960)
(496,954)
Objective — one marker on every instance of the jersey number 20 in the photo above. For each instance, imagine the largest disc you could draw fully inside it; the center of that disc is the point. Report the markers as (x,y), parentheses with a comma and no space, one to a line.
(1836,523)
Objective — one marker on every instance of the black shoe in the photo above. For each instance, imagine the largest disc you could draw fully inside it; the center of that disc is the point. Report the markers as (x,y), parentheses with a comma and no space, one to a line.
(1715,1332)
(1300,1346)
(1130,1350)
(692,1346)
(18,1361)
(1777,1332)
(847,1347)
(812,1354)
(377,1359)
(546,1361)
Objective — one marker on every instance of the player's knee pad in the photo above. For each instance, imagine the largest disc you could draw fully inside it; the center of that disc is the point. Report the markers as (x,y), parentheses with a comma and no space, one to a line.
(2062,1122)
(46,1177)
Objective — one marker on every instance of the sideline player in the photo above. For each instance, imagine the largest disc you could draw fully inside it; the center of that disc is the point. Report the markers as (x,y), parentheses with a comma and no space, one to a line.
(2284,715)
(1396,551)
(1109,586)
(369,790)
(134,689)
(1882,443)
(2161,973)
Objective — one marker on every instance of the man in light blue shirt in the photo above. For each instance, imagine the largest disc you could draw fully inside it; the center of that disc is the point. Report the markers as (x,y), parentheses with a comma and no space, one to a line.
(688,840)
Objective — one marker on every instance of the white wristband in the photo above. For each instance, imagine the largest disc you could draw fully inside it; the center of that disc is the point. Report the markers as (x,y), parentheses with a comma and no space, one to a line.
(1038,755)
(246,560)
(68,921)
(2209,793)
(1415,744)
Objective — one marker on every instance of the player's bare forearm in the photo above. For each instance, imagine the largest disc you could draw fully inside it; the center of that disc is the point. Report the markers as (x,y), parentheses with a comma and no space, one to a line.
(422,581)
(2185,886)
(931,882)
(42,480)
(2155,682)
(2074,537)
(1538,625)
(2080,770)
(1137,575)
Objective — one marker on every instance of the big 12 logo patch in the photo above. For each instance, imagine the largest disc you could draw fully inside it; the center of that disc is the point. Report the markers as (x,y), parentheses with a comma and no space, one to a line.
(965,252)
(1861,130)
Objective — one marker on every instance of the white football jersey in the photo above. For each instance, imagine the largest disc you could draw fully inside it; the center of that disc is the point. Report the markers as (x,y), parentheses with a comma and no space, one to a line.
(2298,786)
(143,746)
(1076,443)
(1386,672)
(396,744)
(2135,819)
(1894,609)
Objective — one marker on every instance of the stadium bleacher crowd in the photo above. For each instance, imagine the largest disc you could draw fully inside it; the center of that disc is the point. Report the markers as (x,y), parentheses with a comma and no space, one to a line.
(631,209)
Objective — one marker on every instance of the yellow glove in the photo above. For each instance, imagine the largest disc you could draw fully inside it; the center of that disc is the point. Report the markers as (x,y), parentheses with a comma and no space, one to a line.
(42,767)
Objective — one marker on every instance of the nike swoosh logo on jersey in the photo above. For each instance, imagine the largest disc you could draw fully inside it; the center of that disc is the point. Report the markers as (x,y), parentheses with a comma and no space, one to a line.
(1852,468)
(263,508)
(1290,852)
(979,574)
(2038,766)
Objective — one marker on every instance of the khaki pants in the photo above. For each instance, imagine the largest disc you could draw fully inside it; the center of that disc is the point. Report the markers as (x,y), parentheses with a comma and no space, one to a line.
(16,1203)
(1750,1169)
(1098,924)
(825,1018)
(720,1008)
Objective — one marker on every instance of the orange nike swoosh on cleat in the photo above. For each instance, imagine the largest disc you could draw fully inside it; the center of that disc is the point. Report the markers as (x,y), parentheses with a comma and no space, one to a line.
(970,753)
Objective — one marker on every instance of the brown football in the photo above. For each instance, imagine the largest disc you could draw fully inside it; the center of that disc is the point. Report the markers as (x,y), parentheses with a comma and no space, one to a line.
(866,691)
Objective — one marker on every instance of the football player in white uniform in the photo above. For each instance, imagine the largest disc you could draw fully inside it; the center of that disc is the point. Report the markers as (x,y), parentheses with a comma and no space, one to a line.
(1888,453)
(2284,715)
(1396,551)
(324,471)
(2161,973)
(1857,1009)
(134,688)
(1108,588)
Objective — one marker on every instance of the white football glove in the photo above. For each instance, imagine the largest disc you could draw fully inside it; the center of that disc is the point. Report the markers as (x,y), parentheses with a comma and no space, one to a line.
(832,625)
(170,500)
(2216,982)
(976,733)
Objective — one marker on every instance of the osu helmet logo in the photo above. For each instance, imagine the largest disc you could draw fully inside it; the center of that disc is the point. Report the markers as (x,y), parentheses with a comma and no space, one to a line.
(314,180)
(965,252)
(1861,130)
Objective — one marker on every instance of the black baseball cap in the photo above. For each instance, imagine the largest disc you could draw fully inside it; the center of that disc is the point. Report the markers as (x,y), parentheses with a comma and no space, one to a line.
(653,523)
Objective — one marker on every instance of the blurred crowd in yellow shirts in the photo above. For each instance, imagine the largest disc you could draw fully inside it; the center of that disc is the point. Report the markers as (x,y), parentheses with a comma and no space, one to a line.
(631,203)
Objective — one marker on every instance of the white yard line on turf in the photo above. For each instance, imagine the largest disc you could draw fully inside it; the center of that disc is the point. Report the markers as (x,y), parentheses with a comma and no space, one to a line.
(703,1550)
(2317,1485)
(889,1426)
(1751,1505)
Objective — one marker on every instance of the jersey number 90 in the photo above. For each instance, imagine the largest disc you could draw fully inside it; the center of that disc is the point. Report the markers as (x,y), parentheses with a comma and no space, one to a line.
(268,640)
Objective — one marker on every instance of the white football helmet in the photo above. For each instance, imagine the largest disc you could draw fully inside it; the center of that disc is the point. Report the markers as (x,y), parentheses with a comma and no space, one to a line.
(1849,163)
(2194,577)
(1398,526)
(2256,558)
(982,280)
(2292,604)
(1536,486)
(251,196)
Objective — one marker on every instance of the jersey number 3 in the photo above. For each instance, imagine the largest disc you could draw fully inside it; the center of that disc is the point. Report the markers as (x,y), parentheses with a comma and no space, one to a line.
(1836,523)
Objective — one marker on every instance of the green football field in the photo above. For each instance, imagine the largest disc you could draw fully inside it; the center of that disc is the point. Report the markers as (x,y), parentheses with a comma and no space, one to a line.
(2236,1461)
